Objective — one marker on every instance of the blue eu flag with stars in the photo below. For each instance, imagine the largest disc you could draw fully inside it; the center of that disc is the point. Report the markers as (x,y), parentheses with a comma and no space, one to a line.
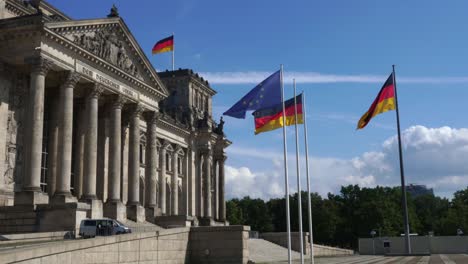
(265,94)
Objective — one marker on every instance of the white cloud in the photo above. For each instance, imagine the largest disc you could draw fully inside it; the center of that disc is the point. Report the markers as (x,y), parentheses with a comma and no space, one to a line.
(252,77)
(435,157)
(242,182)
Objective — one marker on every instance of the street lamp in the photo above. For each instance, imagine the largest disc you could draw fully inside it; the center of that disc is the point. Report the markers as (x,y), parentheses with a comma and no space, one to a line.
(372,233)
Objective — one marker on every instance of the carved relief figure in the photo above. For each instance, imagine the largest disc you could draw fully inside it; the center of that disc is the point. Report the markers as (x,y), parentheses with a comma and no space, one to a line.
(105,44)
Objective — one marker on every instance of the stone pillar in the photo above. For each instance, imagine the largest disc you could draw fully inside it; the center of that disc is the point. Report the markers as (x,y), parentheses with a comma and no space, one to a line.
(134,210)
(124,158)
(207,177)
(90,164)
(114,207)
(191,179)
(200,182)
(53,145)
(115,149)
(134,158)
(214,194)
(175,182)
(79,149)
(34,120)
(222,201)
(151,160)
(62,191)
(102,176)
(162,179)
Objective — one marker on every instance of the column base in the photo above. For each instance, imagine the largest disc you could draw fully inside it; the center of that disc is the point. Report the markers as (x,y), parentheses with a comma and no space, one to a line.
(151,213)
(115,210)
(60,217)
(61,198)
(96,209)
(209,221)
(31,198)
(86,198)
(136,213)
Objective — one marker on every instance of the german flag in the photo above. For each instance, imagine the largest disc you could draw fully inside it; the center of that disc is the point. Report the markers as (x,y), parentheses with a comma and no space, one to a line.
(384,102)
(272,118)
(164,45)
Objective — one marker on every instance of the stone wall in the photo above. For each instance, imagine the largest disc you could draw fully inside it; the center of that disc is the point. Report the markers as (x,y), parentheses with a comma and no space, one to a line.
(179,245)
(219,244)
(419,245)
(167,246)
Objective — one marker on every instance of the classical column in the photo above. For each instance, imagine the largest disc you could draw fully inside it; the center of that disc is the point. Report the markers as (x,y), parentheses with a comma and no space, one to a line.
(214,194)
(162,179)
(34,122)
(134,157)
(151,160)
(207,177)
(222,201)
(79,148)
(191,179)
(62,189)
(90,166)
(200,182)
(115,149)
(175,182)
(102,175)
(53,145)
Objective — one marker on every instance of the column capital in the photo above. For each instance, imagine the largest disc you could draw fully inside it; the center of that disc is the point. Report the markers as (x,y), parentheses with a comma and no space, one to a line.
(136,110)
(151,116)
(70,79)
(39,64)
(220,157)
(117,101)
(95,91)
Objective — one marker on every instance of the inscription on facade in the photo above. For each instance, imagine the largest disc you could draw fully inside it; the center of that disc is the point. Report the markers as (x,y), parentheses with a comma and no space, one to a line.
(101,78)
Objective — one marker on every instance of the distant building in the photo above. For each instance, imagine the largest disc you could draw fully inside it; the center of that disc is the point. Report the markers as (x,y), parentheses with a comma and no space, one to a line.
(417,190)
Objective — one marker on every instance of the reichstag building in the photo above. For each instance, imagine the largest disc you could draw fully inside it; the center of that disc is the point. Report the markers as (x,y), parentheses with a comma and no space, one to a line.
(89,129)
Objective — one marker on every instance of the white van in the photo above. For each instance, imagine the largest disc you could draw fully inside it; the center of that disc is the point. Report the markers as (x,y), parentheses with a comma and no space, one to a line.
(102,227)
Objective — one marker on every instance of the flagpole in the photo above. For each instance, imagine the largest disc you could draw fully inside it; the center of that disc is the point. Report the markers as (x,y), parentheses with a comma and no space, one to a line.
(298,172)
(309,203)
(402,174)
(173,50)
(286,180)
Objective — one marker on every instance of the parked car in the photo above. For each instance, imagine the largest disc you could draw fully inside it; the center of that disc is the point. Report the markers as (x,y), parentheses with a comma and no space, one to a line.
(102,227)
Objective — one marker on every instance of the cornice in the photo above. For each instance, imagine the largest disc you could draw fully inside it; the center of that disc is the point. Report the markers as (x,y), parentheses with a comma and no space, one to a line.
(163,123)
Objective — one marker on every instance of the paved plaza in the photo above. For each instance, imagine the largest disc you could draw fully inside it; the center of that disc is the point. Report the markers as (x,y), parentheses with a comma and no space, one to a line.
(433,259)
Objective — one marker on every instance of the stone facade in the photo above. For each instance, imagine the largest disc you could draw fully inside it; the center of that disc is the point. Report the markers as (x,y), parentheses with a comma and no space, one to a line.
(88,128)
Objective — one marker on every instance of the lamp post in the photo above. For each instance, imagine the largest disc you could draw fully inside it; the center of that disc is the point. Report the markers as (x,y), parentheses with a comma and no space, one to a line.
(372,233)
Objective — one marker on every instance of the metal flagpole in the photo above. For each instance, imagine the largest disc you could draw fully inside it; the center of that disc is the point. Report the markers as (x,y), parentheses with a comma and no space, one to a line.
(286,179)
(298,172)
(173,50)
(309,204)
(402,173)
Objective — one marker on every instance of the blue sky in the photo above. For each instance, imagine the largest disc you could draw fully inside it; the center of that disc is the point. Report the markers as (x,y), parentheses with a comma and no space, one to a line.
(340,52)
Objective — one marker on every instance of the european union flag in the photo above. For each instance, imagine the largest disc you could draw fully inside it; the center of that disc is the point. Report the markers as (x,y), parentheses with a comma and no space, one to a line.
(265,94)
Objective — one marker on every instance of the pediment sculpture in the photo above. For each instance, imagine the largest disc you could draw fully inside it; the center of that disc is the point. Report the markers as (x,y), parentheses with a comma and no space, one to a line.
(106,44)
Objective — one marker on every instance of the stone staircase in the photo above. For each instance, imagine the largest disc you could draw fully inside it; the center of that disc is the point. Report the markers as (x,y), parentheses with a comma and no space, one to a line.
(262,251)
(139,227)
